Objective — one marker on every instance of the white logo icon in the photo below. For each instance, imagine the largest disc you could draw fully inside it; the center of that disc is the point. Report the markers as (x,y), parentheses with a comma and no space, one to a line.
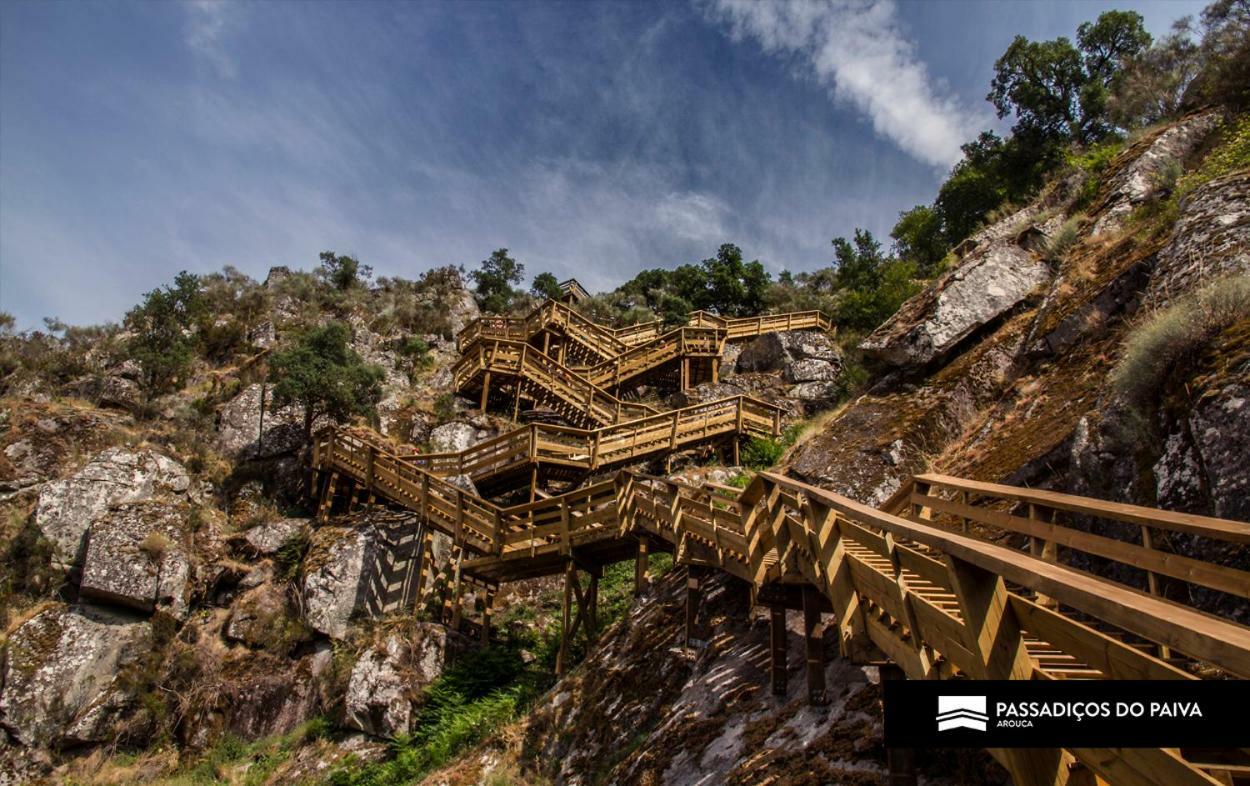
(962,712)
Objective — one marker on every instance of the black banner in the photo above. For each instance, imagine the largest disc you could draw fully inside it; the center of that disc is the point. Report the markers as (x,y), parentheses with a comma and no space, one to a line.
(1067,714)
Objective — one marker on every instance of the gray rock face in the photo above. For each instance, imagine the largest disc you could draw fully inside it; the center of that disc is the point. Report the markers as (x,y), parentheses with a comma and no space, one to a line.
(385,679)
(1213,463)
(987,284)
(775,351)
(67,507)
(239,427)
(815,391)
(811,371)
(60,675)
(107,390)
(1212,239)
(1140,179)
(138,556)
(336,576)
(462,310)
(267,538)
(455,437)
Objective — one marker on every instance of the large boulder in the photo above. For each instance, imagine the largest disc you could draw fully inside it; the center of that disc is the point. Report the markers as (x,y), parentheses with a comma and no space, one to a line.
(256,695)
(455,437)
(61,675)
(387,678)
(990,282)
(336,576)
(138,555)
(239,426)
(780,351)
(267,538)
(67,507)
(1142,177)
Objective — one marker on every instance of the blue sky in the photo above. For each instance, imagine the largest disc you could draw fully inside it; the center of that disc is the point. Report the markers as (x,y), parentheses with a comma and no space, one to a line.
(593,140)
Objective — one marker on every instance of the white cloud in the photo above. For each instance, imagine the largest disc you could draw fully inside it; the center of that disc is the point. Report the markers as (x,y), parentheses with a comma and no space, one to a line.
(855,48)
(208,21)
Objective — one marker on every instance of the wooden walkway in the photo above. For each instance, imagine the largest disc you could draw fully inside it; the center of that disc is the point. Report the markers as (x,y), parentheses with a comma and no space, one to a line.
(920,587)
(539,452)
(608,358)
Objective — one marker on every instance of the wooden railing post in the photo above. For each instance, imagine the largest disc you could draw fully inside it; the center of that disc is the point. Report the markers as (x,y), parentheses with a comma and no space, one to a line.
(1152,583)
(777,648)
(995,638)
(566,545)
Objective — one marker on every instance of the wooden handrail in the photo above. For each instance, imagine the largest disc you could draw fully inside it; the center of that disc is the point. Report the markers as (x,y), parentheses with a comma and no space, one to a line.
(1188,523)
(933,600)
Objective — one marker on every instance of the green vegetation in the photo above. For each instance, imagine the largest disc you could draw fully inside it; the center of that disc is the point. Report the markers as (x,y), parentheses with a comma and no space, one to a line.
(1230,155)
(546,287)
(724,284)
(494,280)
(1171,338)
(164,340)
(1064,239)
(323,375)
(762,453)
(343,272)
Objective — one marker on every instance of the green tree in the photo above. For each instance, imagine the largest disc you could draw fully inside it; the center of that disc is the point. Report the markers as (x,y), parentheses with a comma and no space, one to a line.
(858,263)
(1151,87)
(164,332)
(343,272)
(323,375)
(873,285)
(1040,82)
(546,286)
(919,239)
(1061,90)
(494,280)
(1107,43)
(730,285)
(1225,74)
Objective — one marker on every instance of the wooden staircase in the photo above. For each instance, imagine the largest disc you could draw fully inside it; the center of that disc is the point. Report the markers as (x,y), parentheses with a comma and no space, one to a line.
(609,357)
(539,452)
(941,591)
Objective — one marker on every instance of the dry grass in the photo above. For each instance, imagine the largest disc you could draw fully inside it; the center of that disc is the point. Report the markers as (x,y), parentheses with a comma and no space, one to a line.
(1168,338)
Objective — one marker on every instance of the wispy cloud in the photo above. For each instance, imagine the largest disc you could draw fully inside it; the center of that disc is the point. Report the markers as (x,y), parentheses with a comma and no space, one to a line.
(208,22)
(856,49)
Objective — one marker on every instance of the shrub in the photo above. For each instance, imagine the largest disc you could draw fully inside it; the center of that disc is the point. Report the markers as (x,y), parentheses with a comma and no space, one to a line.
(1171,336)
(1064,239)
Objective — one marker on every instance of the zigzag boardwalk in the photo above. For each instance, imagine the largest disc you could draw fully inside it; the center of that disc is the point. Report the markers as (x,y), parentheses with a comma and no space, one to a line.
(923,595)
(530,356)
(951,578)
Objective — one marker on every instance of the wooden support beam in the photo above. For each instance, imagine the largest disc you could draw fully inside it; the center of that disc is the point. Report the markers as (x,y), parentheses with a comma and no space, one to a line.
(777,648)
(457,594)
(694,595)
(814,647)
(995,638)
(901,762)
(327,497)
(485,390)
(488,610)
(566,618)
(641,579)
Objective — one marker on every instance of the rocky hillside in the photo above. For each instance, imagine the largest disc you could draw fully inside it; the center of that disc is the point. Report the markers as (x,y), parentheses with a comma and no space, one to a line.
(172,612)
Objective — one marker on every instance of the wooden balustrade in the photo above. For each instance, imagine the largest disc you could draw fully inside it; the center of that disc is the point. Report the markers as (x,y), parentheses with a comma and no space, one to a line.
(917,591)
